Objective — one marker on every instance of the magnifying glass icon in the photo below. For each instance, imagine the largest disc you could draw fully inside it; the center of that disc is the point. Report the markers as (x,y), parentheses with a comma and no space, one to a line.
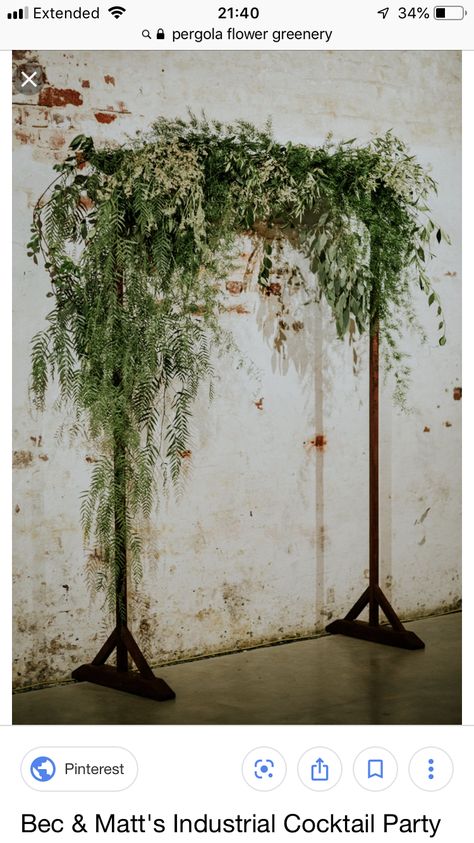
(146,34)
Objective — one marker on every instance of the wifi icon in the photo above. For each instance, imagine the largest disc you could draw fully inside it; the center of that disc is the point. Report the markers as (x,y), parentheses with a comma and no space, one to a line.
(117,11)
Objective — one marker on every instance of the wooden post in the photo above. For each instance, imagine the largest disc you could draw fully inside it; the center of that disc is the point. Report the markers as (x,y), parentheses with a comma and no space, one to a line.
(120,512)
(121,601)
(374,541)
(393,633)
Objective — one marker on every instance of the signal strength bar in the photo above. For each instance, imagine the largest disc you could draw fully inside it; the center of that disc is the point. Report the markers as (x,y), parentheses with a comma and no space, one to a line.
(21,14)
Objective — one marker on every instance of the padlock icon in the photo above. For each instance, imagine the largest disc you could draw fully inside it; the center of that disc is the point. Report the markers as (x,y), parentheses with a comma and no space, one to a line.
(160,34)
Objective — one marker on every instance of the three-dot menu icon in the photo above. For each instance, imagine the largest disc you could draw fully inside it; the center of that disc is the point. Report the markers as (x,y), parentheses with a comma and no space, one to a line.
(431,768)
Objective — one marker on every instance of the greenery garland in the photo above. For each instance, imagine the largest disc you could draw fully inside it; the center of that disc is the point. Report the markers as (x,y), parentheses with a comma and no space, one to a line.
(137,241)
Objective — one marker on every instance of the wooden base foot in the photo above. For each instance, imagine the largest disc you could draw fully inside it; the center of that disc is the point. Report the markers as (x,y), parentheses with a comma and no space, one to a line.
(392,634)
(143,683)
(129,681)
(378,634)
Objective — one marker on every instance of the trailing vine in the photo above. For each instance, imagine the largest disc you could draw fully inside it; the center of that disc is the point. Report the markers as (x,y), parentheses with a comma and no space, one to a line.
(137,240)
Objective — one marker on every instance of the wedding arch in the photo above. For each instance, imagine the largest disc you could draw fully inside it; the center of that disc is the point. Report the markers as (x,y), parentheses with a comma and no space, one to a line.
(137,240)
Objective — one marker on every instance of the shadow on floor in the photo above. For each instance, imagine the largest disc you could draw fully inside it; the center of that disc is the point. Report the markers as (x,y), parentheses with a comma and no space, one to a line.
(330,680)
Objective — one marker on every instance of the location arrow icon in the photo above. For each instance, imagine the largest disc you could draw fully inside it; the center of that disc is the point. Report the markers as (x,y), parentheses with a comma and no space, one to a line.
(383,12)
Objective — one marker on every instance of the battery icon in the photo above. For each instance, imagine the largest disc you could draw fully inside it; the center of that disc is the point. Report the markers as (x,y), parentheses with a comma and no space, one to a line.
(449,12)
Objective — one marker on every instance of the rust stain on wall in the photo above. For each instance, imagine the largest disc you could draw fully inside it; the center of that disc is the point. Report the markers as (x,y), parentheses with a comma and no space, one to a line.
(52,97)
(457,393)
(426,429)
(234,287)
(21,459)
(203,614)
(273,289)
(109,80)
(25,137)
(237,308)
(235,598)
(319,442)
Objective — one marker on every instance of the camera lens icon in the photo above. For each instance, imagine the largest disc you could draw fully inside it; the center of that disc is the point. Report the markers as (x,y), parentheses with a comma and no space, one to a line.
(264,767)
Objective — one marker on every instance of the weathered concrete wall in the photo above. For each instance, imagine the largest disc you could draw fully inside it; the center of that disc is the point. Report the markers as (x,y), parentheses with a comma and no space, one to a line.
(269,538)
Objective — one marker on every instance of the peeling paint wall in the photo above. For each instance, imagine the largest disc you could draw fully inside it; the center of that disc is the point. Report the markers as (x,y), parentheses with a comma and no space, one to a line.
(268,539)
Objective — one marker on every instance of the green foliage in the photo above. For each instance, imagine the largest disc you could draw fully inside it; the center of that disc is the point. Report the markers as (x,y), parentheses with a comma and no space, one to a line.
(136,241)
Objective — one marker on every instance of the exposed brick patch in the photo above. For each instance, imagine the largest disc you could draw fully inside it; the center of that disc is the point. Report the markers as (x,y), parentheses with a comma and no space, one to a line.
(457,393)
(19,55)
(101,117)
(426,429)
(109,80)
(85,83)
(52,97)
(259,404)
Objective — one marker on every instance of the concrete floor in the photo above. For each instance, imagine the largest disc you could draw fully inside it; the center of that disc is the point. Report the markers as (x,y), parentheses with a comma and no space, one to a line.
(329,680)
